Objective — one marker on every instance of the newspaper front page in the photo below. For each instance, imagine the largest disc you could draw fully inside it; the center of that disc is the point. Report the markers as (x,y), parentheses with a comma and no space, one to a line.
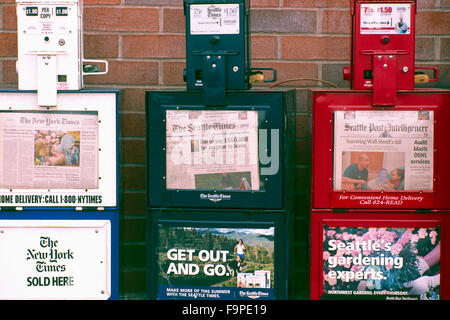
(212,149)
(49,150)
(383,150)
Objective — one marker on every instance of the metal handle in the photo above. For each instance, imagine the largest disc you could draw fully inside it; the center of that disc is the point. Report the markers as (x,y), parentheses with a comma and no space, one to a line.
(96,72)
(436,72)
(274,78)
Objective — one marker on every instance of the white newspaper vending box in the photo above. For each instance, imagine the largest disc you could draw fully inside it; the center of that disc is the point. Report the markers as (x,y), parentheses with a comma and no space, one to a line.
(59,182)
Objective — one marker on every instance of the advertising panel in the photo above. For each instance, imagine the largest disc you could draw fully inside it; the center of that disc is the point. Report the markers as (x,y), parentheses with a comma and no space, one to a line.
(385,18)
(380,255)
(45,259)
(377,262)
(216,263)
(213,19)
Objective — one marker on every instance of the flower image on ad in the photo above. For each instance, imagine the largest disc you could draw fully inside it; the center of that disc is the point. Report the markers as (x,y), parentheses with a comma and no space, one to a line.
(381,263)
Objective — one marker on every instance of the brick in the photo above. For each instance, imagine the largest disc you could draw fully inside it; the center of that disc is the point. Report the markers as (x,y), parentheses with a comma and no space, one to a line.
(301,238)
(94,2)
(425,4)
(303,151)
(9,72)
(334,73)
(8,44)
(128,72)
(132,281)
(132,125)
(174,20)
(9,18)
(302,177)
(424,48)
(133,151)
(173,73)
(302,202)
(445,3)
(133,255)
(133,99)
(290,70)
(133,203)
(336,21)
(134,229)
(174,3)
(317,3)
(445,48)
(135,178)
(283,21)
(154,46)
(432,22)
(264,47)
(264,3)
(121,19)
(302,104)
(310,47)
(101,46)
(302,126)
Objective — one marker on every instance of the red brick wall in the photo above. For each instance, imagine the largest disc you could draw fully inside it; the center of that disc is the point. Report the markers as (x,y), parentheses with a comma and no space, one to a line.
(143,40)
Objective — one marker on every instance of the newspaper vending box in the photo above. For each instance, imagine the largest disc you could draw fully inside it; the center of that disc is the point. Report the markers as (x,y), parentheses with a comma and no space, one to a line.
(59,160)
(382,143)
(59,196)
(379,175)
(217,144)
(219,158)
(236,156)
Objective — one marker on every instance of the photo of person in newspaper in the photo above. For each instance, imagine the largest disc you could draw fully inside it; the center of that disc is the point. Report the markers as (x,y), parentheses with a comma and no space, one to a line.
(56,148)
(356,175)
(373,171)
(396,179)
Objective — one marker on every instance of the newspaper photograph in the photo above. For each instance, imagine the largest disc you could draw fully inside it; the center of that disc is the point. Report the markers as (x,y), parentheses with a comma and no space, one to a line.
(49,150)
(212,149)
(383,150)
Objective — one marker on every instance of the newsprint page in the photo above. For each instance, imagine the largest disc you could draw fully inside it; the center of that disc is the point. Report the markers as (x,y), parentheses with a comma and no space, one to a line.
(212,149)
(383,150)
(49,150)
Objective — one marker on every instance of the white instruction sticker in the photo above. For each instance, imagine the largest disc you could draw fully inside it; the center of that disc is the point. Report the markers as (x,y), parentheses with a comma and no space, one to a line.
(214,19)
(385,18)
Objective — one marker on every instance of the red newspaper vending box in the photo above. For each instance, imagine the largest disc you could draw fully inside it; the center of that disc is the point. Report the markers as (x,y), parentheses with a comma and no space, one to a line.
(380,180)
(381,157)
(367,256)
(382,143)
